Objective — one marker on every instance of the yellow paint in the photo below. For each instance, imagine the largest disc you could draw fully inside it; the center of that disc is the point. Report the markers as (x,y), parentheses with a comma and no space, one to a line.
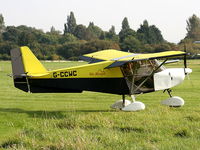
(31,64)
(154,55)
(95,70)
(107,54)
(112,54)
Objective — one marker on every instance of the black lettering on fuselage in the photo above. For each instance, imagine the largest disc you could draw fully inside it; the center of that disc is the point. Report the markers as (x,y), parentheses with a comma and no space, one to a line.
(63,74)
(70,73)
(74,73)
(66,74)
(55,75)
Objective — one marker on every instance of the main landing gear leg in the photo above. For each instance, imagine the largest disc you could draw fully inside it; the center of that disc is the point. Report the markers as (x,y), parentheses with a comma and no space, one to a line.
(173,101)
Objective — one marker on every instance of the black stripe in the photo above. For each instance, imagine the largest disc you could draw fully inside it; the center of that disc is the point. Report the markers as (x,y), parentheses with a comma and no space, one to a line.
(68,85)
(21,83)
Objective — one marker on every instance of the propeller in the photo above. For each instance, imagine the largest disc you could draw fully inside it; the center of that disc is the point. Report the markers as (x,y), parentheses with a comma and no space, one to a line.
(185,59)
(187,71)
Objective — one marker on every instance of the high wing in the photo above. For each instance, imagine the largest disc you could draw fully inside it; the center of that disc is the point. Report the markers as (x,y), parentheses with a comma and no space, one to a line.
(119,57)
(104,55)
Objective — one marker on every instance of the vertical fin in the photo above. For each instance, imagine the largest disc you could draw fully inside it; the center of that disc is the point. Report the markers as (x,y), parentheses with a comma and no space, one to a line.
(24,63)
(31,64)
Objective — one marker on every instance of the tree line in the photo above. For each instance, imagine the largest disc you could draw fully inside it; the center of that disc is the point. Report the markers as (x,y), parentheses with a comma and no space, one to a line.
(78,39)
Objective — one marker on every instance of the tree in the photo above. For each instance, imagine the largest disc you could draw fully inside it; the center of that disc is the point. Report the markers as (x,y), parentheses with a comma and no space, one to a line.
(162,47)
(26,38)
(126,30)
(111,34)
(149,34)
(103,35)
(143,32)
(67,38)
(131,44)
(53,31)
(96,45)
(70,49)
(80,32)
(94,31)
(112,31)
(11,34)
(125,33)
(54,36)
(125,24)
(193,28)
(155,35)
(2,24)
(6,46)
(71,24)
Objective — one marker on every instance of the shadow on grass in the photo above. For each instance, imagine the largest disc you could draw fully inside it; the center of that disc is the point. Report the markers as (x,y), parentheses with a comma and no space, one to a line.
(129,129)
(48,114)
(94,110)
(182,134)
(11,144)
(36,113)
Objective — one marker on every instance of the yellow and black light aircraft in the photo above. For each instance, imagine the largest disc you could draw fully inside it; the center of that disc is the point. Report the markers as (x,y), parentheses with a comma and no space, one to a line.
(108,71)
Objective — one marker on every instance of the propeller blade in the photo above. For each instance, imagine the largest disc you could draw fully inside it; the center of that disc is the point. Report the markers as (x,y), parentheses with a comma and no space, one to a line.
(186,70)
(185,59)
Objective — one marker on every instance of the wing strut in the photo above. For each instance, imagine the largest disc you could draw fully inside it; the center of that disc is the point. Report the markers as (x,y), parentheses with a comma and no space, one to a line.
(150,75)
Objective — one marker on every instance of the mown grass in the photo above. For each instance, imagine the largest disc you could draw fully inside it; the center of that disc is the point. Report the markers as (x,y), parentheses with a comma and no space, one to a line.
(85,121)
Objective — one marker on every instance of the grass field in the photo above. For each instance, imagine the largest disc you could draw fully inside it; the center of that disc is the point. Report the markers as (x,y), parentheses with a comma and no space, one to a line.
(85,121)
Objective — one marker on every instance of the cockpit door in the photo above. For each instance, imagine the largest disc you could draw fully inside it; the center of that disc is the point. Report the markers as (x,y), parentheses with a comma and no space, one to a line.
(136,72)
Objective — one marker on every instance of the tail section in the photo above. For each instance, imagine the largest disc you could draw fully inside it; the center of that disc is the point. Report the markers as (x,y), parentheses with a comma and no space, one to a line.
(24,64)
(31,64)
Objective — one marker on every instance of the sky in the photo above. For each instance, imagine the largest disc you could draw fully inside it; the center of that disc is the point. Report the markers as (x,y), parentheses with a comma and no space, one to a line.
(168,15)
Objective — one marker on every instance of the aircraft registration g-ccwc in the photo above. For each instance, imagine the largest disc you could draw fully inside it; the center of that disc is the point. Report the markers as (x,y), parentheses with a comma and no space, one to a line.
(108,71)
